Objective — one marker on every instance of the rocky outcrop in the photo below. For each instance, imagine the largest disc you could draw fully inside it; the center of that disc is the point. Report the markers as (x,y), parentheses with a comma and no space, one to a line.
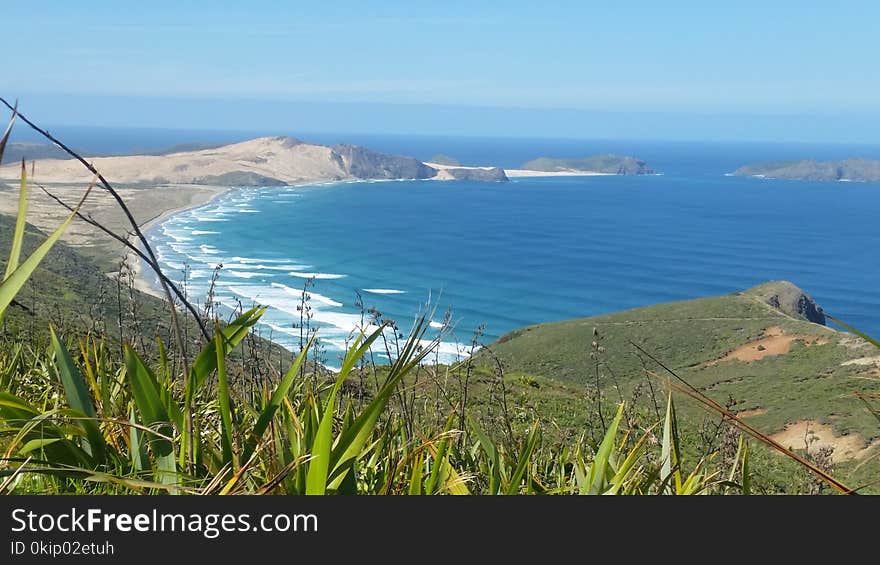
(857,170)
(790,300)
(608,164)
(363,163)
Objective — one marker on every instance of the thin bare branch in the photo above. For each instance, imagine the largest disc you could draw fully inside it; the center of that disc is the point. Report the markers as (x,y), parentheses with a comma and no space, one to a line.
(685,387)
(129,216)
(134,248)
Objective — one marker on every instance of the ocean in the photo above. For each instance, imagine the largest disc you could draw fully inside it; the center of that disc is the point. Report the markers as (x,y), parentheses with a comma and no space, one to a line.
(506,255)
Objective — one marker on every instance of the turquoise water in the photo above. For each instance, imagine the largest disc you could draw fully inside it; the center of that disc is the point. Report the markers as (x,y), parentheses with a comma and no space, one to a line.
(531,250)
(523,252)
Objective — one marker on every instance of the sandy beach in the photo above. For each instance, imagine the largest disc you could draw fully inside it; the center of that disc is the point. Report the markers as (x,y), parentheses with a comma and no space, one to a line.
(148,206)
(142,276)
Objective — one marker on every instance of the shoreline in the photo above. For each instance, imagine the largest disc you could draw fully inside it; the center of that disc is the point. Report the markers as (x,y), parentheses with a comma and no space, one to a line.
(140,280)
(145,283)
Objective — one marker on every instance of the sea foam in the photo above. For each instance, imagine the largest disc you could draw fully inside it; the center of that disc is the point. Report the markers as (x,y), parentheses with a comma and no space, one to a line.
(298,292)
(383,291)
(315,275)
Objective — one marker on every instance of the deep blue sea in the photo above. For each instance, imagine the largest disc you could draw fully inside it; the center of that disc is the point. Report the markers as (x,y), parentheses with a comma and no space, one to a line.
(533,250)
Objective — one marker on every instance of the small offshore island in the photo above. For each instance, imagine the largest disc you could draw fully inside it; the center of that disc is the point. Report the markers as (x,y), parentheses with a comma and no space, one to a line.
(603,164)
(854,170)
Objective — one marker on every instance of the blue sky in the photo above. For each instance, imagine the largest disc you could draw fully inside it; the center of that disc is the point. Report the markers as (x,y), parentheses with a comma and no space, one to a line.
(703,61)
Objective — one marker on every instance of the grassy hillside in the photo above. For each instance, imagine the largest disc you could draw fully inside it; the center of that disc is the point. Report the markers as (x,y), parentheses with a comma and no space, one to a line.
(778,367)
(72,292)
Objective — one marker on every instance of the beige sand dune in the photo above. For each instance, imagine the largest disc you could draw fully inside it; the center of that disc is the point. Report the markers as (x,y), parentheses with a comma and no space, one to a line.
(279,158)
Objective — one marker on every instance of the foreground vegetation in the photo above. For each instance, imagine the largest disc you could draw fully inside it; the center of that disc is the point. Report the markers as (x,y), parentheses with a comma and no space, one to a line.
(201,407)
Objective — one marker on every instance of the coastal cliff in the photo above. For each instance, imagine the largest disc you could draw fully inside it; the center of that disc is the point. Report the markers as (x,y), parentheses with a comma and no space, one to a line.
(363,163)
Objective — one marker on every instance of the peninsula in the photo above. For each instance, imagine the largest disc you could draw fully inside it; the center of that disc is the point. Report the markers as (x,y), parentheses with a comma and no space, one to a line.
(265,161)
(855,170)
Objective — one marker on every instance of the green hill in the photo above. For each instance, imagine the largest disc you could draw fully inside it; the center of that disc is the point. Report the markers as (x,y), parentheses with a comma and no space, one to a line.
(71,291)
(858,170)
(757,347)
(442,159)
(609,164)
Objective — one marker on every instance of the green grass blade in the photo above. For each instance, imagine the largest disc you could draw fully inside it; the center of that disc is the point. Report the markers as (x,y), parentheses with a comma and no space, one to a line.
(225,404)
(350,444)
(669,455)
(166,470)
(13,408)
(319,465)
(322,448)
(205,364)
(166,387)
(623,474)
(13,283)
(78,397)
(415,479)
(20,221)
(436,477)
(275,401)
(35,444)
(492,457)
(524,459)
(233,333)
(137,448)
(149,404)
(598,475)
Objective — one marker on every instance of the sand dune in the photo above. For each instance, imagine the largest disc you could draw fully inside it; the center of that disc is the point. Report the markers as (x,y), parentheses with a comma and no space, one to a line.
(266,160)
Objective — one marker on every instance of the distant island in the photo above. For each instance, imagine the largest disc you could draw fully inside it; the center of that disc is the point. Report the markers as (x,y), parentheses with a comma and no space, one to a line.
(442,159)
(604,164)
(16,151)
(856,170)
